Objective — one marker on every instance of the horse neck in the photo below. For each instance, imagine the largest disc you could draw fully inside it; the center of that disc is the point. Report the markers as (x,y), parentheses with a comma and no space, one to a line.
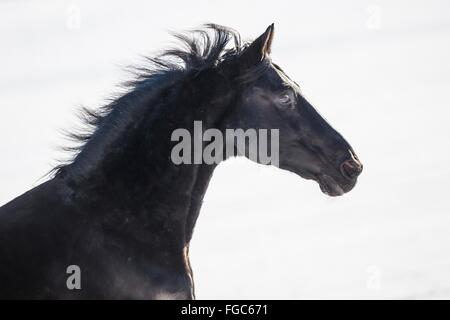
(135,183)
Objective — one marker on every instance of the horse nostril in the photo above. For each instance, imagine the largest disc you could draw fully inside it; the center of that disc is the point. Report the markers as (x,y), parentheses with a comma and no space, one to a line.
(351,168)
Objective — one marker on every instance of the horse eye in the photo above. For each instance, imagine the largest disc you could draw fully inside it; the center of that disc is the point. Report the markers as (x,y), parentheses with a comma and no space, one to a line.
(285,98)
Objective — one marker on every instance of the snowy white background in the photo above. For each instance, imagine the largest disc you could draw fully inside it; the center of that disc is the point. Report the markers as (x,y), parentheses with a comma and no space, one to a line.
(379,71)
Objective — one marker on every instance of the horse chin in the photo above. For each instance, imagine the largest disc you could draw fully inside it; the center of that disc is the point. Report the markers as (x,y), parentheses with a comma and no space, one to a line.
(329,186)
(333,187)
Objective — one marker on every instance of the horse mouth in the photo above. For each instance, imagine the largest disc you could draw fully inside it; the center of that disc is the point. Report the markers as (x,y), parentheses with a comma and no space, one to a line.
(329,186)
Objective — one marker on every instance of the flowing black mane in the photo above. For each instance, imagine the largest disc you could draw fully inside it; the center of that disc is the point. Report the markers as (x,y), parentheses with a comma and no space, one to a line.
(198,50)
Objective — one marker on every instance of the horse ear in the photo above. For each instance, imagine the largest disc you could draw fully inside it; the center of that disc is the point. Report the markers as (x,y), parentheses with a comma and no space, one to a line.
(260,48)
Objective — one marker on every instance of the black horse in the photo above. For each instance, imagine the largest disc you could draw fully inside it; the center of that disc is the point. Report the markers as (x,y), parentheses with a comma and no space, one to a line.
(120,216)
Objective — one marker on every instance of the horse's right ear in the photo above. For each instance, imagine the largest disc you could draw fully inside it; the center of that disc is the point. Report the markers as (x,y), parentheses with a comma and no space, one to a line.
(259,49)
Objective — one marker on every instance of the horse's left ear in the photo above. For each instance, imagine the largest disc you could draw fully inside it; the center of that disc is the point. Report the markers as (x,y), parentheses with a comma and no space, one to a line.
(260,48)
